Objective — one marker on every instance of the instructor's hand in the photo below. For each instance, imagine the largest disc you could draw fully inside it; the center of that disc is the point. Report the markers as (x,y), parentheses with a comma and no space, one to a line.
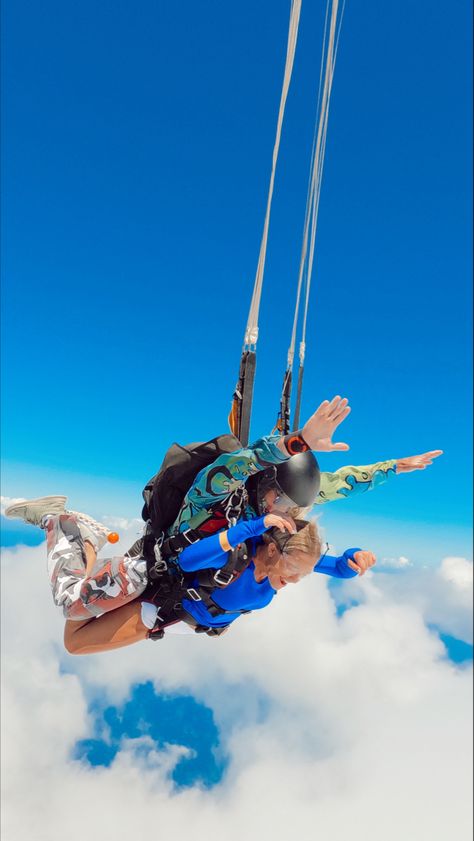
(319,429)
(406,465)
(280,521)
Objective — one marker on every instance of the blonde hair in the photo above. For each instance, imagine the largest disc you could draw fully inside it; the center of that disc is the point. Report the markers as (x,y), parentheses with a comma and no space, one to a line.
(306,539)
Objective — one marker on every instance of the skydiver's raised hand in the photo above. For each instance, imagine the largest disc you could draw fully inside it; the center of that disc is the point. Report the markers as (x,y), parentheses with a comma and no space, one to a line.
(406,465)
(318,430)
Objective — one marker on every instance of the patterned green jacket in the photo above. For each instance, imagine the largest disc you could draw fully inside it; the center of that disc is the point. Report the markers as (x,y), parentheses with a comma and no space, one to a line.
(223,477)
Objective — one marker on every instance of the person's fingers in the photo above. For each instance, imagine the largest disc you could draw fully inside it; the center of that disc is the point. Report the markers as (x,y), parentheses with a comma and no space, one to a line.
(335,404)
(342,413)
(332,406)
(339,446)
(361,561)
(280,522)
(353,566)
(286,525)
(364,560)
(371,559)
(432,454)
(321,408)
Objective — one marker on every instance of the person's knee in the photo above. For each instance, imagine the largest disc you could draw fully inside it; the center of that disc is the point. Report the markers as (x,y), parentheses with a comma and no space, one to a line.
(71,637)
(69,644)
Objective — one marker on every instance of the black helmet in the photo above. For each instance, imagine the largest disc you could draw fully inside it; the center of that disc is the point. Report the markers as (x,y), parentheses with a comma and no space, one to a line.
(298,478)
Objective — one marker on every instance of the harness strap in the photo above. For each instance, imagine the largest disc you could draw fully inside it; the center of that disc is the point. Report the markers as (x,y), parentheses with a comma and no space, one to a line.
(159,628)
(175,544)
(230,510)
(238,560)
(168,585)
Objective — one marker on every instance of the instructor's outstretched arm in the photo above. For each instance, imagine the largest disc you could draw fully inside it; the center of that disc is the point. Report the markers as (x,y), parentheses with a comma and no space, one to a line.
(352,479)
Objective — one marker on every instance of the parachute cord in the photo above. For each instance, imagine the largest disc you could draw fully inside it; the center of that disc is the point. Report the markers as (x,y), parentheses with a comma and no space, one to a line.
(317,163)
(319,157)
(296,422)
(251,333)
(309,201)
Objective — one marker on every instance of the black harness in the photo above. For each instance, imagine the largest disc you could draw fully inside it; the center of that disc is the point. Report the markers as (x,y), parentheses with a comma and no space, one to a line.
(228,511)
(168,586)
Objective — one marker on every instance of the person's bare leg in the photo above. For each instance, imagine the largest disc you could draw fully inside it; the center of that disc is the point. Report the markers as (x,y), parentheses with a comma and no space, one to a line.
(91,556)
(116,629)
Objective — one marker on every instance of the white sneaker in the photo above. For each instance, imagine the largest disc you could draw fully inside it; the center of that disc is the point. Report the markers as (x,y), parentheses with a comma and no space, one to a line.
(33,510)
(100,532)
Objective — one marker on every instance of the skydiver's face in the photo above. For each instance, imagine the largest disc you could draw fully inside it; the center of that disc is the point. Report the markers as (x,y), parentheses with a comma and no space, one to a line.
(282,568)
(290,569)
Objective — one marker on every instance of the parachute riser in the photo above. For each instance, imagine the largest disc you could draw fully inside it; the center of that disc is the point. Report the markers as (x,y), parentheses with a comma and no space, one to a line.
(296,419)
(283,421)
(241,411)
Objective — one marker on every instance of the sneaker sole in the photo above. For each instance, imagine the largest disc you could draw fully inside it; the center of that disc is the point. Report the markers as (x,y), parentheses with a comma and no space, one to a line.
(13,510)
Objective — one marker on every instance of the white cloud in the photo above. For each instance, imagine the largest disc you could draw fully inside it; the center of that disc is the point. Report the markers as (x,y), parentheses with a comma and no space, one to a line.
(442,594)
(395,563)
(124,524)
(367,733)
(457,571)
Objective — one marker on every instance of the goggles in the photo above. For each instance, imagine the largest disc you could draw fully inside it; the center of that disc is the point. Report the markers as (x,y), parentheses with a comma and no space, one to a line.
(283,503)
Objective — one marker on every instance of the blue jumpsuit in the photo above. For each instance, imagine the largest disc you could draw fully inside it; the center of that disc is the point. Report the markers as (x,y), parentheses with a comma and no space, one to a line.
(245,593)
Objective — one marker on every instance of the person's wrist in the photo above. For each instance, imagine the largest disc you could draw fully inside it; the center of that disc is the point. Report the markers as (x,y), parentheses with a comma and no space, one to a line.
(295,443)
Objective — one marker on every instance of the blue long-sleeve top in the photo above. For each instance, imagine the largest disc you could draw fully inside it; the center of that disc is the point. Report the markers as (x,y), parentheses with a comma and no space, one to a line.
(245,593)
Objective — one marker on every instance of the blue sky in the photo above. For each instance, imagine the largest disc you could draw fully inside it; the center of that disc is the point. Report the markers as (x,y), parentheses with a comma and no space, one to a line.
(136,155)
(137,149)
(165,719)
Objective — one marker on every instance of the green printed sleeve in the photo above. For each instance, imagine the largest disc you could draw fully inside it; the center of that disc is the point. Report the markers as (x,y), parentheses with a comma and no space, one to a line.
(350,480)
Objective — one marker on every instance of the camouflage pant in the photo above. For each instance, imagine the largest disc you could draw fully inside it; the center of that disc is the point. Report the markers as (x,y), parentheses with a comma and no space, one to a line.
(112,582)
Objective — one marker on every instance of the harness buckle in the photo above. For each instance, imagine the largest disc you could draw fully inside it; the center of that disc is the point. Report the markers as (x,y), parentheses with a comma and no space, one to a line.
(160,566)
(193,594)
(190,536)
(223,578)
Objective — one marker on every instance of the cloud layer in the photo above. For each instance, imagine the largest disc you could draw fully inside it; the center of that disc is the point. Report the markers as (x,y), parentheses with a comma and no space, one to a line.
(364,734)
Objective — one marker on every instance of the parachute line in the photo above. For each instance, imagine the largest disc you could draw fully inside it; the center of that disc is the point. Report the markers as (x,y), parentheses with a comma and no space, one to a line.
(251,333)
(329,54)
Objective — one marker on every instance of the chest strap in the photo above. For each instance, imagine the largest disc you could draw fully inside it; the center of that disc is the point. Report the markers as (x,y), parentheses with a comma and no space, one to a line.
(221,514)
(167,589)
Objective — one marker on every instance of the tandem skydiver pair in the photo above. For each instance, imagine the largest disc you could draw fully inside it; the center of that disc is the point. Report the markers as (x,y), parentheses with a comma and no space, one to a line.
(231,546)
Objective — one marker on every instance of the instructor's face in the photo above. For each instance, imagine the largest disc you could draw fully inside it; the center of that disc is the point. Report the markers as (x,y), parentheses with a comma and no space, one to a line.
(275,501)
(269,500)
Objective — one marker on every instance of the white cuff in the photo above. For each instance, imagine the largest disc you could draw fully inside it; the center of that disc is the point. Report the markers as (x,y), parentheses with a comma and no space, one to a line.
(149,614)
